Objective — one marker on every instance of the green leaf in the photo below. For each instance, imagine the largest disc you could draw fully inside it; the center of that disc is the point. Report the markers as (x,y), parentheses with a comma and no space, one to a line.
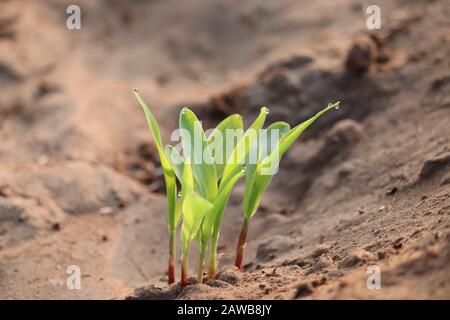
(171,190)
(155,132)
(176,161)
(169,174)
(291,136)
(195,208)
(214,216)
(222,200)
(269,137)
(187,182)
(195,147)
(218,141)
(237,158)
(251,164)
(187,185)
(253,198)
(267,167)
(267,141)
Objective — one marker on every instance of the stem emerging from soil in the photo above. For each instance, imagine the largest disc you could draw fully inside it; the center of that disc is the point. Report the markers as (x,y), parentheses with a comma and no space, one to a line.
(172,253)
(241,245)
(201,262)
(184,269)
(212,268)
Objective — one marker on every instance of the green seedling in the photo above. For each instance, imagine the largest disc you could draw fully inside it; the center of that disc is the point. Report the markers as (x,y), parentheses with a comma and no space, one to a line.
(233,167)
(171,186)
(279,137)
(208,170)
(202,202)
(214,175)
(194,209)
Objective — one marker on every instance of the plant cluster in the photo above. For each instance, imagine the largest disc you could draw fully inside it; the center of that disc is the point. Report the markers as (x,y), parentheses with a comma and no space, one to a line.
(207,168)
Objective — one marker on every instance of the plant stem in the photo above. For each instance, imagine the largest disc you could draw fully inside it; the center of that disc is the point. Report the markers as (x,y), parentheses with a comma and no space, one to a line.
(172,253)
(184,269)
(212,268)
(201,259)
(241,245)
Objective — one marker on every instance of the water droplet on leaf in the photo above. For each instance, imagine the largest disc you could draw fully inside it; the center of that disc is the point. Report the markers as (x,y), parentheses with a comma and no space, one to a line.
(336,106)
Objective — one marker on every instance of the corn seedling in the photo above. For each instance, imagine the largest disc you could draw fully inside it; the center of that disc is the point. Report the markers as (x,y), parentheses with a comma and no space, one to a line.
(207,170)
(202,201)
(232,171)
(171,187)
(207,167)
(194,209)
(271,145)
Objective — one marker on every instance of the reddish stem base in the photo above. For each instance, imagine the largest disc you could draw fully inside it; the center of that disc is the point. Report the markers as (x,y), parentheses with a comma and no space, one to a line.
(171,272)
(171,264)
(184,276)
(241,245)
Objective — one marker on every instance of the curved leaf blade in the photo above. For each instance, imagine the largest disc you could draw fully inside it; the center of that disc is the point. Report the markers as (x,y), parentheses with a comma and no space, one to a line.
(270,136)
(195,147)
(169,174)
(267,141)
(266,168)
(176,161)
(214,217)
(220,144)
(195,208)
(237,158)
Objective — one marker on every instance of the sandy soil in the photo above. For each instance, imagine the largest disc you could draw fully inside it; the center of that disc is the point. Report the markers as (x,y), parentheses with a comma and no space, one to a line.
(80,183)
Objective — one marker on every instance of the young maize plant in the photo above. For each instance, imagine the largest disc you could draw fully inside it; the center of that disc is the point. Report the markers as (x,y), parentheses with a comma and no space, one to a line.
(203,199)
(208,170)
(171,187)
(232,171)
(207,199)
(269,148)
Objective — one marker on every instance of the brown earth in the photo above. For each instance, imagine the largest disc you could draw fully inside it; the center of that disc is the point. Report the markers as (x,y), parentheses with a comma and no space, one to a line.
(80,183)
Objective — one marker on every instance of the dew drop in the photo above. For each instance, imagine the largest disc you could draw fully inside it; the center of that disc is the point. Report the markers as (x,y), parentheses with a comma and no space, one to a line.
(336,106)
(179,194)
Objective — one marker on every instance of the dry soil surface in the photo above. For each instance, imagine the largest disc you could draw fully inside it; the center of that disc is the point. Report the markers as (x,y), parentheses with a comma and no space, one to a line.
(80,182)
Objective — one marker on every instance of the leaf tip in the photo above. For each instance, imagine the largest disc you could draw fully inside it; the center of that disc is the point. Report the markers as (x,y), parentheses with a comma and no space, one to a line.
(184,110)
(335,105)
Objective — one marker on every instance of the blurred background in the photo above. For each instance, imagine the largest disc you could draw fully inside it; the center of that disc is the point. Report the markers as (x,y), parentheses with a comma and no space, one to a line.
(81,184)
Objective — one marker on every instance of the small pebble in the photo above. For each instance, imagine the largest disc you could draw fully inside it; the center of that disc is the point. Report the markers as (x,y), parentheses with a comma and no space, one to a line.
(106,210)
